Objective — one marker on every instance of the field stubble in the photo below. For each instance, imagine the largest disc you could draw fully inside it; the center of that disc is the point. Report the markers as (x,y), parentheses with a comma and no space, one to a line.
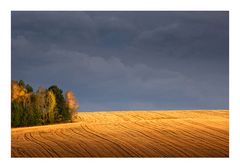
(181,133)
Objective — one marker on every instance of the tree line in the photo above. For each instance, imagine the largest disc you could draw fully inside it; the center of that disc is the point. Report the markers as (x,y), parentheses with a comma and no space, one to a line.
(44,106)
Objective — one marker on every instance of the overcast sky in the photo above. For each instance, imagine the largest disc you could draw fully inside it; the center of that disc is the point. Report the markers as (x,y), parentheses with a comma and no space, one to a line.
(126,60)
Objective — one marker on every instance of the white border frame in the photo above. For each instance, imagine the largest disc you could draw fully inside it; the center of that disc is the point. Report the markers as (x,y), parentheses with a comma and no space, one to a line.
(5,139)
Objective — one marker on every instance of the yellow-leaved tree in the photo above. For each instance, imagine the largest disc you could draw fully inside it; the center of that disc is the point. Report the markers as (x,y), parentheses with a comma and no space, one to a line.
(51,104)
(72,104)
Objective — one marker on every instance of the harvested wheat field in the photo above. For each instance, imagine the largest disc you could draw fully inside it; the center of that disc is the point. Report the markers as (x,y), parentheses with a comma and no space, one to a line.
(180,133)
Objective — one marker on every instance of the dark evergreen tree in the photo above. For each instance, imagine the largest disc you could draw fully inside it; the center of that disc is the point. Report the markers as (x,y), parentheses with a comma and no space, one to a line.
(21,83)
(29,88)
(61,107)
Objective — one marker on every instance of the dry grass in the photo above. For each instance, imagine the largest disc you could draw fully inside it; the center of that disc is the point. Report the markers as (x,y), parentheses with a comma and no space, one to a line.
(192,133)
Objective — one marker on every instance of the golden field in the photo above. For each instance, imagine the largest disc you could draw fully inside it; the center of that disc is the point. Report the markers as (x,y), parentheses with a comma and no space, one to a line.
(175,133)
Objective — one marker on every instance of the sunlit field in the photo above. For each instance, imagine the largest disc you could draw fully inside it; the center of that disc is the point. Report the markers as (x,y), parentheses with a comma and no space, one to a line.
(181,133)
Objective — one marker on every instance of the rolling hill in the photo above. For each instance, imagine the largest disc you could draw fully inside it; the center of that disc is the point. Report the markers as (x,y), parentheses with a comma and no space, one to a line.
(179,133)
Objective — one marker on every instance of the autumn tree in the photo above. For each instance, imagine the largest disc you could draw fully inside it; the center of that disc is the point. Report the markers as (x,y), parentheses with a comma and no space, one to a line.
(22,105)
(17,90)
(41,107)
(51,104)
(72,104)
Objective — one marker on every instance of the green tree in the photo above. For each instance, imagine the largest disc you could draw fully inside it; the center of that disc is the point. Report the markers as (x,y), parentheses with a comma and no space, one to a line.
(61,108)
(41,105)
(29,88)
(16,113)
(36,113)
(32,116)
(21,83)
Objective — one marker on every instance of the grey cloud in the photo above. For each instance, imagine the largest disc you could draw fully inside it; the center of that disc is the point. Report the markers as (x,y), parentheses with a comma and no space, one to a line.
(126,60)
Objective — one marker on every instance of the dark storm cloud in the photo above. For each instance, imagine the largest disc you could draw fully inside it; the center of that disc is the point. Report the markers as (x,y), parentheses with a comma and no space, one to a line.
(126,60)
